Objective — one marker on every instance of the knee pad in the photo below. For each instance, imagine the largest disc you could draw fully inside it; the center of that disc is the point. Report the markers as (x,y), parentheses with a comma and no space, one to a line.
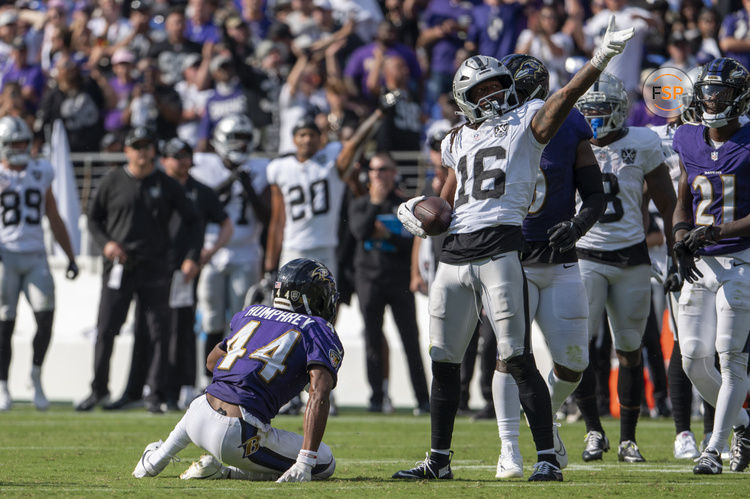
(521,367)
(628,340)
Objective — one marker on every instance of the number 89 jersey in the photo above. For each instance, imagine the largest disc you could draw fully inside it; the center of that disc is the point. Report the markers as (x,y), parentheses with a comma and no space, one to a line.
(719,181)
(496,167)
(22,196)
(624,164)
(313,193)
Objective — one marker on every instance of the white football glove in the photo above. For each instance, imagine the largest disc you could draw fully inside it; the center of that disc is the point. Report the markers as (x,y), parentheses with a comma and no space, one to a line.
(301,471)
(612,44)
(406,216)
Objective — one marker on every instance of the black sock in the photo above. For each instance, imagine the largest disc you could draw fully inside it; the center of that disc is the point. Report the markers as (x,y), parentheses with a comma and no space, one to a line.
(43,335)
(444,399)
(6,331)
(535,400)
(629,388)
(708,418)
(680,391)
(585,397)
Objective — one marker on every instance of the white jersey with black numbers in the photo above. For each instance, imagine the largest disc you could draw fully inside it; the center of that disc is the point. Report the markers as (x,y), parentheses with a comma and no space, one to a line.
(624,164)
(244,246)
(496,167)
(313,192)
(22,196)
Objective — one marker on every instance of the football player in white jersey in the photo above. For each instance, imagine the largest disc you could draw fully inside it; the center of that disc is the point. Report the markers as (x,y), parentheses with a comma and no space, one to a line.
(307,189)
(26,196)
(493,161)
(613,256)
(240,182)
(712,222)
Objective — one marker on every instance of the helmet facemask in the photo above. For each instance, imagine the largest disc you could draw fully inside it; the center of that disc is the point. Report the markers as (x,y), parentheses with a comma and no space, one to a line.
(17,153)
(236,147)
(474,71)
(719,103)
(496,103)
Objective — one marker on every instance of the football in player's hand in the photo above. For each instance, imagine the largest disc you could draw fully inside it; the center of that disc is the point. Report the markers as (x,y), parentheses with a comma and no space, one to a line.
(435,214)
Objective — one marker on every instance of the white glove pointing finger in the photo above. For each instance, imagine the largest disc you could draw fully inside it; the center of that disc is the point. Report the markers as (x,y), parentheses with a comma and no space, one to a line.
(613,43)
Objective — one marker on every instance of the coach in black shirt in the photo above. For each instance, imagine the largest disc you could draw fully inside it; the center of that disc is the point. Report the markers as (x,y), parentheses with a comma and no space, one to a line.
(129,218)
(382,271)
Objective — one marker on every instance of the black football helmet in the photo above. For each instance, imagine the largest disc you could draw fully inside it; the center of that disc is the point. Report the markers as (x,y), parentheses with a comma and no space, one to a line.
(722,92)
(530,76)
(306,286)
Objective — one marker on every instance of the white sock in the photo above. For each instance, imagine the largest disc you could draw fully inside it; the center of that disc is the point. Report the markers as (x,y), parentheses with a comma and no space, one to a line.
(559,390)
(730,398)
(177,440)
(507,406)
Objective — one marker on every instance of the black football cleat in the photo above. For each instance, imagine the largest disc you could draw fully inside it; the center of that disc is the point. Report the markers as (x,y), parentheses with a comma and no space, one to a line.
(740,449)
(709,463)
(427,470)
(546,472)
(628,452)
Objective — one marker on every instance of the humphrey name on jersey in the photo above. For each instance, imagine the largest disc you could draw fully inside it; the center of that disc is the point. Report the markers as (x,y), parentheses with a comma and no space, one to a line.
(262,312)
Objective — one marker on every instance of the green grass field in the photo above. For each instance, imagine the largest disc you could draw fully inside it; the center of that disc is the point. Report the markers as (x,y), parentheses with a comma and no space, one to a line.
(63,453)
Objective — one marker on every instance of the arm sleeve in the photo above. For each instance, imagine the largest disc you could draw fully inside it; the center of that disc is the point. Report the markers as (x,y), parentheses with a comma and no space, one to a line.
(445,151)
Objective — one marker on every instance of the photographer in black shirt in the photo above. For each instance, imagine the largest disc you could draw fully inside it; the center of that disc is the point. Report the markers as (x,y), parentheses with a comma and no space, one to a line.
(129,219)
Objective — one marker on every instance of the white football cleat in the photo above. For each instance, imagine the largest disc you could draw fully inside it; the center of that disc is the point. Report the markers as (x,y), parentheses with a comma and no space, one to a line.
(685,446)
(40,401)
(5,403)
(144,467)
(388,405)
(510,462)
(206,468)
(560,452)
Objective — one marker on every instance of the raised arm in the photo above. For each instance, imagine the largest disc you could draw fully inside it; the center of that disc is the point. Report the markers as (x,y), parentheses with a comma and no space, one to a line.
(275,229)
(551,116)
(348,153)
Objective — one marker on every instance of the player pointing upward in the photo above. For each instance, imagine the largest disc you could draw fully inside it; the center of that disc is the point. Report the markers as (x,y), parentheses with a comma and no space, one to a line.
(493,162)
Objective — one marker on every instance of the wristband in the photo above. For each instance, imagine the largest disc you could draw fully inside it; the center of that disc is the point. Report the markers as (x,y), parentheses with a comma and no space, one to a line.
(307,457)
(681,226)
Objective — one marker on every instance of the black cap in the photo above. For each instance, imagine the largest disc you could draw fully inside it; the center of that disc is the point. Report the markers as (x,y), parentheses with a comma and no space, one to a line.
(175,146)
(307,121)
(139,134)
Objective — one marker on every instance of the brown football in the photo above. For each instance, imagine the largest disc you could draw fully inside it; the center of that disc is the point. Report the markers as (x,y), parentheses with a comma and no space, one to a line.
(435,214)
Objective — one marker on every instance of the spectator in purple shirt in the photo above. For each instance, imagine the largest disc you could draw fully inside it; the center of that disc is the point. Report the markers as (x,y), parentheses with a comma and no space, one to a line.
(29,76)
(200,27)
(359,63)
(444,28)
(496,26)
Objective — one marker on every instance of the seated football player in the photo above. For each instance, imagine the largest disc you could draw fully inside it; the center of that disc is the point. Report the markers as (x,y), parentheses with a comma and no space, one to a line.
(272,353)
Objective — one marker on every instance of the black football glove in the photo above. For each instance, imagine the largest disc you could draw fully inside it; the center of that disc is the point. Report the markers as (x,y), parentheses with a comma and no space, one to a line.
(705,235)
(72,271)
(673,282)
(686,262)
(563,236)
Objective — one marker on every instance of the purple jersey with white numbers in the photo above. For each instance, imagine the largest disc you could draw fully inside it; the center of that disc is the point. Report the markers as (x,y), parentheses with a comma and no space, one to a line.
(719,181)
(268,355)
(555,192)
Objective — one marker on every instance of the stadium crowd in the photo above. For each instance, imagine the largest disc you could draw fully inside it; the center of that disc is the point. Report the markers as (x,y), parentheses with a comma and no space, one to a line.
(203,83)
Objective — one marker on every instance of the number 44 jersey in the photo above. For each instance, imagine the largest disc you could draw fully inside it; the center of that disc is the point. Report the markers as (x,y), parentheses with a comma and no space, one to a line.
(268,356)
(22,195)
(624,164)
(496,167)
(313,193)
(719,181)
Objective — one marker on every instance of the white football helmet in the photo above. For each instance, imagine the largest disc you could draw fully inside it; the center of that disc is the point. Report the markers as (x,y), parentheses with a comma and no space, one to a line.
(233,138)
(477,69)
(690,113)
(14,130)
(604,105)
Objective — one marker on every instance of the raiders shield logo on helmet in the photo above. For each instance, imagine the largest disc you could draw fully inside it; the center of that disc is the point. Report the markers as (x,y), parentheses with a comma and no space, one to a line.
(628,156)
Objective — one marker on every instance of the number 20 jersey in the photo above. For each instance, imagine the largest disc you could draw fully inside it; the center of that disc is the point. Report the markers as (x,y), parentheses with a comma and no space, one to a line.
(624,164)
(719,181)
(268,357)
(313,193)
(496,167)
(22,199)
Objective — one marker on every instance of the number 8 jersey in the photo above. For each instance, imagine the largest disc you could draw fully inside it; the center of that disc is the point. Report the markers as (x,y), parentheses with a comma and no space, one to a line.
(313,193)
(496,167)
(719,181)
(22,196)
(624,164)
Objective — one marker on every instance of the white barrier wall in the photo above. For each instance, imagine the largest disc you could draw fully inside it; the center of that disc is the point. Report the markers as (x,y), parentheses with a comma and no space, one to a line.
(68,366)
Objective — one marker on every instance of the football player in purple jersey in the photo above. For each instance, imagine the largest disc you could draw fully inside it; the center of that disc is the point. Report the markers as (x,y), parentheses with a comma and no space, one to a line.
(557,298)
(272,354)
(712,223)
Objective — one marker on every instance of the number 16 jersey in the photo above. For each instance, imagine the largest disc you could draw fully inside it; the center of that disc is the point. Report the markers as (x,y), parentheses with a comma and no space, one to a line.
(624,164)
(496,167)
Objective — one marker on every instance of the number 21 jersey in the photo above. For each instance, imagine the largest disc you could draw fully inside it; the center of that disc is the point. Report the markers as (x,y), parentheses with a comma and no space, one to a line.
(719,181)
(496,167)
(624,164)
(312,193)
(22,196)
